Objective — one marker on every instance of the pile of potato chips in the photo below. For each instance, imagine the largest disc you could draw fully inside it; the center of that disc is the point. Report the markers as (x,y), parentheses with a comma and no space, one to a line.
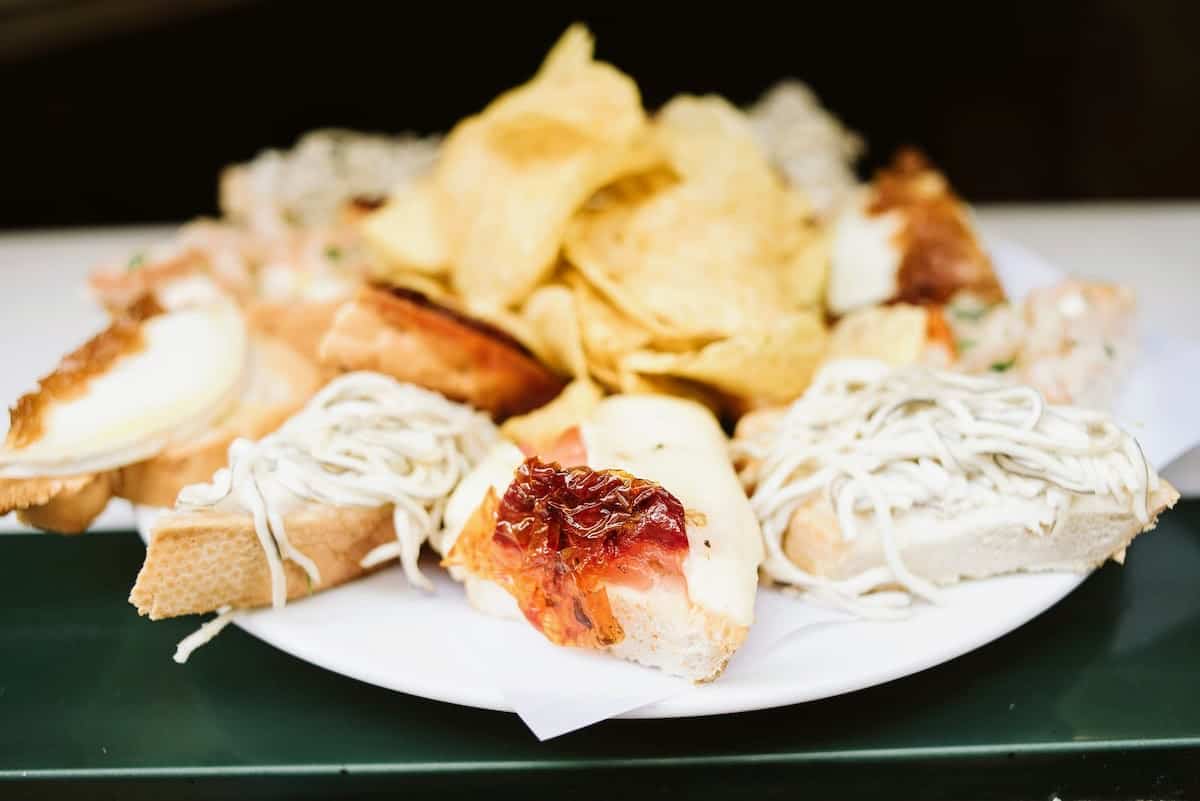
(634,253)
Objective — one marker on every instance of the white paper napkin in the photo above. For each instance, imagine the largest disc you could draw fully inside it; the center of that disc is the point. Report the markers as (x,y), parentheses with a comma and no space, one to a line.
(559,690)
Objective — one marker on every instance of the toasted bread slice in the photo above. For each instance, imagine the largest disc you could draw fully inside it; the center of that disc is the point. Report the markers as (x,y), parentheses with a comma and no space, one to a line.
(200,561)
(66,505)
(401,334)
(300,324)
(279,381)
(684,608)
(946,549)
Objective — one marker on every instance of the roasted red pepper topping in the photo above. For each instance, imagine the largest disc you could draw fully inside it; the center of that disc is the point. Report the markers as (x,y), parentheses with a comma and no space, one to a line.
(561,535)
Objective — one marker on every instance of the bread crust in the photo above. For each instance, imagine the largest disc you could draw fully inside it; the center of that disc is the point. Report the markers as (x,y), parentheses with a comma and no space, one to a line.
(1090,533)
(413,340)
(66,505)
(197,562)
(300,325)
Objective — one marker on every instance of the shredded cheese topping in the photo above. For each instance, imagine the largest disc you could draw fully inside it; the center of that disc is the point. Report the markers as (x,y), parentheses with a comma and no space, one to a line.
(365,440)
(881,441)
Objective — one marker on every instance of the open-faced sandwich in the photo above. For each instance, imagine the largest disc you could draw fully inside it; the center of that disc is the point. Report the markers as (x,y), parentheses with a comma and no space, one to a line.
(359,476)
(883,478)
(145,407)
(631,535)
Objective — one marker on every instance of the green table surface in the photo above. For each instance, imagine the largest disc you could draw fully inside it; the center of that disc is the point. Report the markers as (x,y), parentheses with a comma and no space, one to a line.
(1099,697)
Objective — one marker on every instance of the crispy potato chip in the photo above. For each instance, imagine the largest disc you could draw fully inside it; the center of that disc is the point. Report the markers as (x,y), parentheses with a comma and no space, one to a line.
(773,362)
(541,427)
(607,333)
(405,234)
(510,178)
(552,317)
(895,334)
(630,383)
(432,287)
(665,256)
(720,250)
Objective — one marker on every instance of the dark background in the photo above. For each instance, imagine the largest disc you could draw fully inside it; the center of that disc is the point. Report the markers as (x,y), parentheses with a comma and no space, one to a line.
(124,110)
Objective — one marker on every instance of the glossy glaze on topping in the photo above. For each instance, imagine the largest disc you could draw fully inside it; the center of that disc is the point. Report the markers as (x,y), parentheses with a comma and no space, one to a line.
(559,536)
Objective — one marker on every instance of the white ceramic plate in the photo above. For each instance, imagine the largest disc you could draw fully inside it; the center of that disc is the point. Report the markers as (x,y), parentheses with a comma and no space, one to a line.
(381,631)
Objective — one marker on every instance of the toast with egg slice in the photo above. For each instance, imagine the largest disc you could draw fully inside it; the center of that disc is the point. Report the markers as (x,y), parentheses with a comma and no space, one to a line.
(146,407)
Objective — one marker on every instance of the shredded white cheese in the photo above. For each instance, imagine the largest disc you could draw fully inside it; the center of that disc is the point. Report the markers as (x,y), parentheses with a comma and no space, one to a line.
(882,440)
(365,440)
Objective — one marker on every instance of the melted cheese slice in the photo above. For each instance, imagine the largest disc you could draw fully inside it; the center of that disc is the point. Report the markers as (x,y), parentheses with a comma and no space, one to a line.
(188,373)
(679,444)
(674,442)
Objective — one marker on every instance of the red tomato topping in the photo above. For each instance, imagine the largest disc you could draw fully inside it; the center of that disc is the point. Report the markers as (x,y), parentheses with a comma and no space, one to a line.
(561,535)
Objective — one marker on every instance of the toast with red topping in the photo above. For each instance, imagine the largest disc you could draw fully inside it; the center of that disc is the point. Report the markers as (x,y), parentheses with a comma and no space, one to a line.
(647,548)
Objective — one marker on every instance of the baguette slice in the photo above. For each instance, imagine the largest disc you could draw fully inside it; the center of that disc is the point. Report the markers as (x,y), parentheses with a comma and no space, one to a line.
(402,335)
(198,562)
(946,549)
(688,623)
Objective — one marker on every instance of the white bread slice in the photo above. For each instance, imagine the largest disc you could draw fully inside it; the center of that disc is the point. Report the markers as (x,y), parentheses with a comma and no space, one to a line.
(198,562)
(662,628)
(992,541)
(278,382)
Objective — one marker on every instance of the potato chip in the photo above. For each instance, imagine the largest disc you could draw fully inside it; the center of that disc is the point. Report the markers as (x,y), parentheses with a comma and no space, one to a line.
(432,287)
(895,334)
(552,317)
(772,362)
(664,256)
(720,250)
(405,235)
(509,179)
(542,427)
(607,334)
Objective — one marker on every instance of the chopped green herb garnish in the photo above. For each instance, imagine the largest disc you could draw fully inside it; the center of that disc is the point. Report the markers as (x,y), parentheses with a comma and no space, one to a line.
(963,344)
(136,261)
(333,253)
(1110,351)
(1000,367)
(970,312)
(310,583)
